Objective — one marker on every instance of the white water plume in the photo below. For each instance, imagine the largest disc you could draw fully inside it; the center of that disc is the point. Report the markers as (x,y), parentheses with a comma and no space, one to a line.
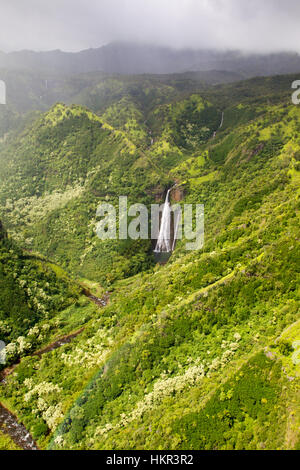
(164,239)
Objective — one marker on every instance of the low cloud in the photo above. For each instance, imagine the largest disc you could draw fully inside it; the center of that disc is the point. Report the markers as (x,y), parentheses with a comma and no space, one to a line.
(250,25)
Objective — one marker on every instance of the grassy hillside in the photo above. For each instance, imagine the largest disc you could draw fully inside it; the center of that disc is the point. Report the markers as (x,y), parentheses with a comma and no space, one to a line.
(33,292)
(55,176)
(203,352)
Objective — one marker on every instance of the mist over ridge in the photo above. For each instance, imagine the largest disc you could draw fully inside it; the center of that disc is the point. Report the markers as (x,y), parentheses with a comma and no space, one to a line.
(134,58)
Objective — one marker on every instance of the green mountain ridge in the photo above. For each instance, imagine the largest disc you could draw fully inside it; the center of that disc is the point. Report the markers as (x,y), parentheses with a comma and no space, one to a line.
(33,290)
(132,58)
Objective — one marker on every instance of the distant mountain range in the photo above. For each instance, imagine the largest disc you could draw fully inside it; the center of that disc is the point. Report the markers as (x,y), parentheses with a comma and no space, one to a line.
(126,58)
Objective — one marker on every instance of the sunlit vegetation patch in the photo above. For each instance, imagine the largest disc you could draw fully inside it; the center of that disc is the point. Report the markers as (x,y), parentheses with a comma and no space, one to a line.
(201,353)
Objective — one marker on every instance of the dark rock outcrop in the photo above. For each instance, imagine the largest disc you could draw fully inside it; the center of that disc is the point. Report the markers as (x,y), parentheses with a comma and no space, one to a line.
(3,233)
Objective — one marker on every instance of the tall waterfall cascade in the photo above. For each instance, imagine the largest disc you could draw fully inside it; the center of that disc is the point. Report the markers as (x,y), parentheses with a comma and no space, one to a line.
(164,238)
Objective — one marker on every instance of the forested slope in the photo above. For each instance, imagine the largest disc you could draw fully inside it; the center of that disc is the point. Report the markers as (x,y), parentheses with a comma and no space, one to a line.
(202,352)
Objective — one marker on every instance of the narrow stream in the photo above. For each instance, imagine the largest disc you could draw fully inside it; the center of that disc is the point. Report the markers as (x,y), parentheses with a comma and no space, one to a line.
(9,425)
(100,302)
(220,126)
(59,343)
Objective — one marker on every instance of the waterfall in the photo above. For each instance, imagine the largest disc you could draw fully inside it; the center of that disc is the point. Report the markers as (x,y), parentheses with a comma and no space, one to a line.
(222,120)
(163,241)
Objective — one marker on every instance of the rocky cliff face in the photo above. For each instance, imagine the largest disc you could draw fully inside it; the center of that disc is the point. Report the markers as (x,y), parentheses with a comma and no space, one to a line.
(177,194)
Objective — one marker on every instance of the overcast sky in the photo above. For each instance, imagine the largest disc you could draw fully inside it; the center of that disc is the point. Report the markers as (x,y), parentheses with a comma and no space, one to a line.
(72,25)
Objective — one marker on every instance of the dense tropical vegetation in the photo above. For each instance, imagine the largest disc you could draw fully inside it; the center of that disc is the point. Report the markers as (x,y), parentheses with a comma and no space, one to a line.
(200,353)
